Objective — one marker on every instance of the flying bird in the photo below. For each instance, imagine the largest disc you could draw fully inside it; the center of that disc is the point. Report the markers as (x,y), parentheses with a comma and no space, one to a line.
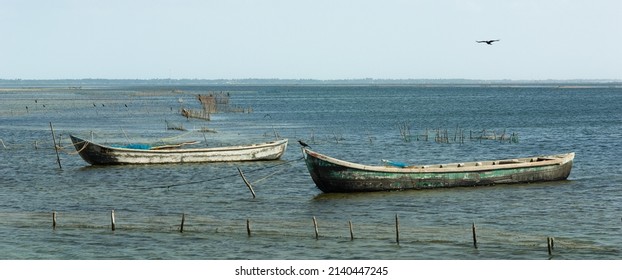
(303,144)
(489,42)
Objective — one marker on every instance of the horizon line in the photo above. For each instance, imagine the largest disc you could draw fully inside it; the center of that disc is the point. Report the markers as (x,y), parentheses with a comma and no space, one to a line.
(312,80)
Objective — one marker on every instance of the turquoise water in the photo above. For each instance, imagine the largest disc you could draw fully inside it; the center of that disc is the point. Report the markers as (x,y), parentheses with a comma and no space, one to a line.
(357,123)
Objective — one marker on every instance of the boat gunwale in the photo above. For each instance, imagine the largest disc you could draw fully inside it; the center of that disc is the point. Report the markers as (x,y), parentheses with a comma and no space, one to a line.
(183,150)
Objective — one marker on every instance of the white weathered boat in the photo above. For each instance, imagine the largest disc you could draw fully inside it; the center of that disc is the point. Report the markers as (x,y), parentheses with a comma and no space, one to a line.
(98,154)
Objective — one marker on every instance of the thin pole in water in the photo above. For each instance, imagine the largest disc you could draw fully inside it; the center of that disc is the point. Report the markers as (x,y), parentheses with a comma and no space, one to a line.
(247,183)
(474,237)
(54,220)
(55,146)
(351,232)
(397,230)
(183,219)
(550,245)
(112,222)
(315,227)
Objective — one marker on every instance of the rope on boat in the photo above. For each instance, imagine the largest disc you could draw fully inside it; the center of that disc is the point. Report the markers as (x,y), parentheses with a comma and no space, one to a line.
(84,144)
(62,148)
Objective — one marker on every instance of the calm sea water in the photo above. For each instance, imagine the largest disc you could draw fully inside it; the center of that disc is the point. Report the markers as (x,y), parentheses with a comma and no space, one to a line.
(356,123)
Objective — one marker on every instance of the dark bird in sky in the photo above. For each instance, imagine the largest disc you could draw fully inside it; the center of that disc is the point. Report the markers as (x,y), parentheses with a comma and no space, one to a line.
(303,144)
(489,42)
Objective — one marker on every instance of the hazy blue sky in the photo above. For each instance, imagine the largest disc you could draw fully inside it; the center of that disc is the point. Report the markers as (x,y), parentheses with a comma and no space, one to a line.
(311,39)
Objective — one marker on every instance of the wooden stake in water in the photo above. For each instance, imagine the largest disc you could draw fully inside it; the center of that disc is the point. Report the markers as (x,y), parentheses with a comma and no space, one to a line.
(112,222)
(183,219)
(550,245)
(351,232)
(474,237)
(315,227)
(248,227)
(54,220)
(397,230)
(55,146)
(246,182)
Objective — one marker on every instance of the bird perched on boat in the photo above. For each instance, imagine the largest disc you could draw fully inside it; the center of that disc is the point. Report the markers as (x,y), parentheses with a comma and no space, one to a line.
(488,42)
(303,144)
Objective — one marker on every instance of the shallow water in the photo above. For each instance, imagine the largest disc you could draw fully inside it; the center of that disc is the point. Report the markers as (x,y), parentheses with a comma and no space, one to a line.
(356,123)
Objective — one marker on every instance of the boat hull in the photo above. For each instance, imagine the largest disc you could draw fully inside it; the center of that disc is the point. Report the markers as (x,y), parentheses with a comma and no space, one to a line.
(333,175)
(97,154)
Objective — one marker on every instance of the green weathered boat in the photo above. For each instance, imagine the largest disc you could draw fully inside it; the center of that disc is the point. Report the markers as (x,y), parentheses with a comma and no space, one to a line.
(333,175)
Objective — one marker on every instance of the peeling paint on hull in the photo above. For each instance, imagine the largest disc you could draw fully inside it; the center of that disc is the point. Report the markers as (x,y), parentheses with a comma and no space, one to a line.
(104,155)
(333,175)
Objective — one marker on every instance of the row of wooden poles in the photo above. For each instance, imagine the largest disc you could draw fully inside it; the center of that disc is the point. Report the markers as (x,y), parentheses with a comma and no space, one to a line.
(443,136)
(458,137)
(550,241)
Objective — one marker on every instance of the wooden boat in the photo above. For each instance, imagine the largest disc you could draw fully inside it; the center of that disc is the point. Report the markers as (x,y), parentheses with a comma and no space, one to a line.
(334,175)
(97,154)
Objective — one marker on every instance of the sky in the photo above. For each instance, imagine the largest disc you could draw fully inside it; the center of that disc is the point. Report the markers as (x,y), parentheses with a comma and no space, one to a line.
(310,39)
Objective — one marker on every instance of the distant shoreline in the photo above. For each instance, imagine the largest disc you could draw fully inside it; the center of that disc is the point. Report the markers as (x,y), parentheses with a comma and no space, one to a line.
(571,83)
